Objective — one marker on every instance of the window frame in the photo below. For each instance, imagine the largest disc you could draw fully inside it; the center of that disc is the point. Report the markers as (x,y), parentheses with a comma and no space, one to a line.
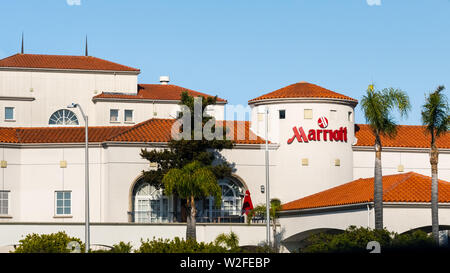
(125,116)
(13,113)
(8,194)
(118,116)
(63,206)
(64,117)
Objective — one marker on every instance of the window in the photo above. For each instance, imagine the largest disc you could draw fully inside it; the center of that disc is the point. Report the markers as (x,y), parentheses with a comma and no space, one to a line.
(114,115)
(9,113)
(63,201)
(282,114)
(230,209)
(308,114)
(150,205)
(128,116)
(63,117)
(4,202)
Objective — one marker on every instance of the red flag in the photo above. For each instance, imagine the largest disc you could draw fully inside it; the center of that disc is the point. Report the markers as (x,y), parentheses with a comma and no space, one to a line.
(248,205)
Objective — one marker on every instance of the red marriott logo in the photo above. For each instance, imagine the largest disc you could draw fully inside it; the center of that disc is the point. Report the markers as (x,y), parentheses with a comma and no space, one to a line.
(319,135)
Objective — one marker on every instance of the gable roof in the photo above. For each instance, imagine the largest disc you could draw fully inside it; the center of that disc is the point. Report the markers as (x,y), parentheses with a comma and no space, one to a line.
(408,187)
(62,62)
(410,136)
(154,92)
(153,130)
(302,90)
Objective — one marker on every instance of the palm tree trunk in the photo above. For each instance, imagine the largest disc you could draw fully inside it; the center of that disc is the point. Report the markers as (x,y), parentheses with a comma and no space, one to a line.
(378,185)
(434,193)
(191,233)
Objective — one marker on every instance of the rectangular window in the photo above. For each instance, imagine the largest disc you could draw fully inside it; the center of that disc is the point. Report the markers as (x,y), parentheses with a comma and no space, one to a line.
(308,114)
(114,115)
(9,113)
(4,202)
(128,116)
(63,200)
(350,116)
(282,114)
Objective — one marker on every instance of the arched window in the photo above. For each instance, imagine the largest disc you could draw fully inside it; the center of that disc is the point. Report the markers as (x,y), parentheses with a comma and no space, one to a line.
(150,205)
(230,209)
(63,117)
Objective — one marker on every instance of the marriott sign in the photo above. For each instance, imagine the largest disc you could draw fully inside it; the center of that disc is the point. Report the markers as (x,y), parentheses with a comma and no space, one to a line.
(319,134)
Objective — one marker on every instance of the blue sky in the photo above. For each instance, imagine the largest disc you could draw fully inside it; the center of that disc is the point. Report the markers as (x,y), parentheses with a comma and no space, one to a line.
(240,49)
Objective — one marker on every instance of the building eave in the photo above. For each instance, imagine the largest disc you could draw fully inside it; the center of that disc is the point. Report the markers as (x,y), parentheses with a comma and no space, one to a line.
(28,69)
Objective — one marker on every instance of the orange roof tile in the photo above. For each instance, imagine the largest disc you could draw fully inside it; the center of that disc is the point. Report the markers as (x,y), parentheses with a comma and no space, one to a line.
(57,134)
(159,130)
(302,90)
(62,62)
(8,135)
(407,136)
(155,92)
(153,130)
(409,187)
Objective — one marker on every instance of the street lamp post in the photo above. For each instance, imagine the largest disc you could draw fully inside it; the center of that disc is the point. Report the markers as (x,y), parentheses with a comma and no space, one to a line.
(86,187)
(267,179)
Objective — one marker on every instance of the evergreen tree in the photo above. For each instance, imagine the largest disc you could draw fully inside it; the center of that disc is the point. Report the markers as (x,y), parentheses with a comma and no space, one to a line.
(180,153)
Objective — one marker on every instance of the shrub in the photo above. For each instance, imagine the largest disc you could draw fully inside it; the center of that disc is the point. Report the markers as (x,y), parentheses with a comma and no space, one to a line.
(178,245)
(352,240)
(415,240)
(355,240)
(230,241)
(47,243)
(117,248)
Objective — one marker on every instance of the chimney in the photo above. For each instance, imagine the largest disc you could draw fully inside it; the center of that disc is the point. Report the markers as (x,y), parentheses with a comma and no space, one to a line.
(164,80)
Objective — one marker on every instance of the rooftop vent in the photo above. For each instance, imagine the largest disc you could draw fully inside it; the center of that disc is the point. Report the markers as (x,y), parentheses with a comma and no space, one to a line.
(164,80)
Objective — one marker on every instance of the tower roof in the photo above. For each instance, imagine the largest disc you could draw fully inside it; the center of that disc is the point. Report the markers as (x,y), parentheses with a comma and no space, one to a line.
(302,90)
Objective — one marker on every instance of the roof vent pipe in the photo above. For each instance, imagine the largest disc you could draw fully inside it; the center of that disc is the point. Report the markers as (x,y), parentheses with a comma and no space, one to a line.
(164,80)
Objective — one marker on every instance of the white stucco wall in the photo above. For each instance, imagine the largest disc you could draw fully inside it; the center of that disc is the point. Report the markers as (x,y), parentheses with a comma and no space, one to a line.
(291,180)
(413,160)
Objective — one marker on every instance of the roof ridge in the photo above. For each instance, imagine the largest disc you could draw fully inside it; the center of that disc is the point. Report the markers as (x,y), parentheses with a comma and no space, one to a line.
(405,176)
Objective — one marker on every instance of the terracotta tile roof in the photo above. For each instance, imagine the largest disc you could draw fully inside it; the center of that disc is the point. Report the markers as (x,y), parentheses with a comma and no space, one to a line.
(408,187)
(155,92)
(8,135)
(302,90)
(407,136)
(62,62)
(153,130)
(57,134)
(159,130)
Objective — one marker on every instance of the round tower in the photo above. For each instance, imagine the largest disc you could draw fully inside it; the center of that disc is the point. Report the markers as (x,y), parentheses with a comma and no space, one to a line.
(315,130)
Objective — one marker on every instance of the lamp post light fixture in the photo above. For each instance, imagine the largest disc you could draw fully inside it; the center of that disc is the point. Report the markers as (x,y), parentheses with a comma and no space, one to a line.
(86,187)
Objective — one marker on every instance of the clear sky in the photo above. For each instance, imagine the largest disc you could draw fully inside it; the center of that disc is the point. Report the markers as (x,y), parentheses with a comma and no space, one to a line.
(240,49)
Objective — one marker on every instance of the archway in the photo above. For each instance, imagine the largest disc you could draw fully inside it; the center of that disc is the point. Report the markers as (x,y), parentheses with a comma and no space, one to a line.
(300,240)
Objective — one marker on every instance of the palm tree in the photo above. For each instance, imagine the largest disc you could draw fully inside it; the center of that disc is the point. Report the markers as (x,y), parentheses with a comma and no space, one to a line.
(378,107)
(435,117)
(260,211)
(191,182)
